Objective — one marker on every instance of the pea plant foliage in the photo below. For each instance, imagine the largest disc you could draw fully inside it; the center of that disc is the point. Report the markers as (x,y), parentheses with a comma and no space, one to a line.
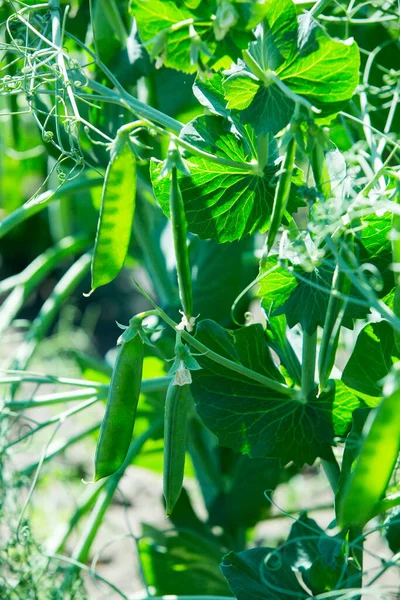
(235,163)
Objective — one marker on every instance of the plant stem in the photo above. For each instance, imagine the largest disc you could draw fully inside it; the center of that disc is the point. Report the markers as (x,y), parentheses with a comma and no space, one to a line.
(84,505)
(309,355)
(148,385)
(319,7)
(31,207)
(59,447)
(64,288)
(81,552)
(225,362)
(35,273)
(356,542)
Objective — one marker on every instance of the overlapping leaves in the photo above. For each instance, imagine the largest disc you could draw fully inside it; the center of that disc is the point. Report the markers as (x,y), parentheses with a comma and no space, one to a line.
(184,34)
(222,201)
(309,557)
(320,71)
(302,295)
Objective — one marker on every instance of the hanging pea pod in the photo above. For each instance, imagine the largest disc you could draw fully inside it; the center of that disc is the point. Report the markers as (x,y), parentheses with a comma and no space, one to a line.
(116,213)
(175,433)
(317,143)
(119,419)
(333,320)
(179,230)
(377,458)
(282,190)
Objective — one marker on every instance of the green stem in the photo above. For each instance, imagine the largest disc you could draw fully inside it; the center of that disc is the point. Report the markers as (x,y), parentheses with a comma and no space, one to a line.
(262,150)
(356,542)
(319,7)
(148,385)
(81,551)
(282,192)
(49,310)
(155,116)
(114,18)
(84,505)
(225,362)
(30,279)
(332,325)
(32,207)
(309,355)
(59,448)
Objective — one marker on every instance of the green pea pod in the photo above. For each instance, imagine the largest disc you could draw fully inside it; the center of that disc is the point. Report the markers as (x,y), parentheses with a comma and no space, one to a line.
(282,192)
(119,418)
(377,459)
(180,244)
(175,433)
(116,213)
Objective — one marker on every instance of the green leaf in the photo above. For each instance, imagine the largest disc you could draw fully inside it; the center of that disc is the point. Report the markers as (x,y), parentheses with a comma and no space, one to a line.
(250,418)
(267,109)
(222,202)
(158,23)
(301,295)
(216,268)
(316,555)
(371,360)
(311,65)
(181,563)
(328,76)
(375,234)
(344,404)
(200,33)
(261,573)
(210,93)
(244,501)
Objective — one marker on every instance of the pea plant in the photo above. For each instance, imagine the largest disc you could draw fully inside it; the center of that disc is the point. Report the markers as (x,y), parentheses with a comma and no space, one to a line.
(237,162)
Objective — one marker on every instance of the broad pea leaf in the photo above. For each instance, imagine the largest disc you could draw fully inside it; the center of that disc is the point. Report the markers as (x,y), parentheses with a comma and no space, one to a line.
(181,562)
(370,361)
(210,93)
(244,501)
(158,20)
(318,557)
(261,573)
(215,268)
(344,404)
(273,573)
(186,35)
(321,70)
(301,295)
(375,234)
(249,417)
(222,202)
